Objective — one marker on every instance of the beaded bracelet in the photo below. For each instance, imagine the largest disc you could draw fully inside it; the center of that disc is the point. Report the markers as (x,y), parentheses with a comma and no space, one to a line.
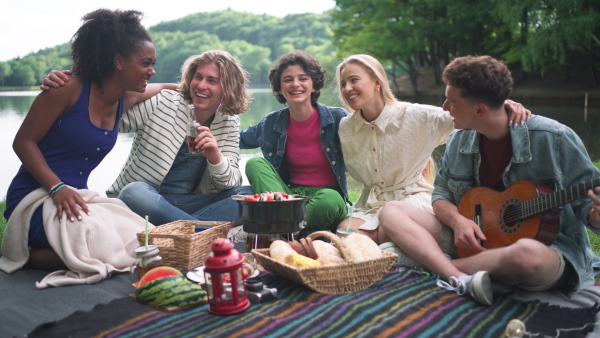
(55,186)
(53,192)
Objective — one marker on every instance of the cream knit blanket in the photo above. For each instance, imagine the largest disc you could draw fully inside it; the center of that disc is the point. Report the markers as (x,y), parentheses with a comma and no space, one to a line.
(92,249)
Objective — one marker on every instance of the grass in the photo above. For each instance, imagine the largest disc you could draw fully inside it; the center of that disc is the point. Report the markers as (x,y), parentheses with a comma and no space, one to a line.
(354,193)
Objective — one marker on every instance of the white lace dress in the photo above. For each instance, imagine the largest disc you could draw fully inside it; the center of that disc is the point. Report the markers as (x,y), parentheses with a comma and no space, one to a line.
(388,155)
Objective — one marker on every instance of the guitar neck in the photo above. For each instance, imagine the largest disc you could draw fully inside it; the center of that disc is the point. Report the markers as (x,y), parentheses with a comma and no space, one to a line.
(556,199)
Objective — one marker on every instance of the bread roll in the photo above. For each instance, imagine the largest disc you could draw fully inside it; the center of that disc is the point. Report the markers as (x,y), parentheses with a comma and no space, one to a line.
(279,249)
(361,248)
(328,253)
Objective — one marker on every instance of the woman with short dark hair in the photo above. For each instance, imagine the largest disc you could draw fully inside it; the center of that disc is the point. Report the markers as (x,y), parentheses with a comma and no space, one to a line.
(300,144)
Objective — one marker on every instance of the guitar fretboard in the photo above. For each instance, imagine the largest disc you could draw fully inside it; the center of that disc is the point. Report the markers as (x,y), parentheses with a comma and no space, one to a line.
(553,200)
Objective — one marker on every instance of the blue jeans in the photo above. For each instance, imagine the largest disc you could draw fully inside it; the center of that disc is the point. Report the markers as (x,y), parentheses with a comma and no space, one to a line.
(143,199)
(175,200)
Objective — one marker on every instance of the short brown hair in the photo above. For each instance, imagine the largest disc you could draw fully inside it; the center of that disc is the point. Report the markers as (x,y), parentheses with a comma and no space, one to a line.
(481,78)
(311,66)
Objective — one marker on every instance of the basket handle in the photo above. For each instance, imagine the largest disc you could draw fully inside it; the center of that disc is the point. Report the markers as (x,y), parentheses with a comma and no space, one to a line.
(337,241)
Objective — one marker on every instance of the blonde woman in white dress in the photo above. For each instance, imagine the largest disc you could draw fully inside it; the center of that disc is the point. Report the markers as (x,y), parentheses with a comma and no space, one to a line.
(387,144)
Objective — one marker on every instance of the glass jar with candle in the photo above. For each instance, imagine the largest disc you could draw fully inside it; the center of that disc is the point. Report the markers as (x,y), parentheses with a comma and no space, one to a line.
(148,258)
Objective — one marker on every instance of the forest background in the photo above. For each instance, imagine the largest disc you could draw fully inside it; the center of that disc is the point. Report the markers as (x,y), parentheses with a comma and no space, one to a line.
(543,41)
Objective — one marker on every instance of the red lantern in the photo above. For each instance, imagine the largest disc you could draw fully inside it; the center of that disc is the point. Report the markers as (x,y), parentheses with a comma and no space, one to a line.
(224,283)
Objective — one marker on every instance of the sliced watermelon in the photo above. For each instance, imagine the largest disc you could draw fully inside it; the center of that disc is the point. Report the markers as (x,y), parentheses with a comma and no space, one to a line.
(171,292)
(156,273)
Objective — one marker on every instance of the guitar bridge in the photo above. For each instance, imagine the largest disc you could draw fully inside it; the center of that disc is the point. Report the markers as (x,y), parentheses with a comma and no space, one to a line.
(478,219)
(477,215)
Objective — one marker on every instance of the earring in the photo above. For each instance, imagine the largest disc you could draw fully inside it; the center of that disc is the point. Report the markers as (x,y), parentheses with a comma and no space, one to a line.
(377,88)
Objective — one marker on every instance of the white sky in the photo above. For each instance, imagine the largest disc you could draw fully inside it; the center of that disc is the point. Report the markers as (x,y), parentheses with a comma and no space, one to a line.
(30,25)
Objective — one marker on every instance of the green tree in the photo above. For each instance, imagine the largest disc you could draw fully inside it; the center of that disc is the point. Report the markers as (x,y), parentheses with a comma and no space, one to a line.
(546,32)
(22,74)
(5,71)
(406,35)
(384,29)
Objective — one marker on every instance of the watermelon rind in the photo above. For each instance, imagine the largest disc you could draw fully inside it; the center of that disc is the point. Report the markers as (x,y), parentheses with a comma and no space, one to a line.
(171,291)
(156,273)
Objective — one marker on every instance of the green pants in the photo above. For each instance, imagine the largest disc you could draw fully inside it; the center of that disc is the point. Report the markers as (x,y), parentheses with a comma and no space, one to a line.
(325,207)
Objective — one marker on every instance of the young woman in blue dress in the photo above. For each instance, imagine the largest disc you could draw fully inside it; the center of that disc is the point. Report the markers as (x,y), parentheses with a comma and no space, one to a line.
(67,132)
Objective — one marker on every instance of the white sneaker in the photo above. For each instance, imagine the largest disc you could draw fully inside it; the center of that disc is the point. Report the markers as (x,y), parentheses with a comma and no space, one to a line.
(478,286)
(237,234)
(403,260)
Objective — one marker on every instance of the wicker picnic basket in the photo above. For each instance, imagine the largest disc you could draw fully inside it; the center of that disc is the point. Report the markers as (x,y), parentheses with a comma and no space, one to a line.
(180,246)
(332,279)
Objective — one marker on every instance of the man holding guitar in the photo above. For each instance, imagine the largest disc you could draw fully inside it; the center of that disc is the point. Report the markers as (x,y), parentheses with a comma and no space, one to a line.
(514,203)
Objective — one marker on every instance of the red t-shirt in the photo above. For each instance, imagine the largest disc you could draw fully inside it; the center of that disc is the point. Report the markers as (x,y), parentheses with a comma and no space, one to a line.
(495,157)
(307,162)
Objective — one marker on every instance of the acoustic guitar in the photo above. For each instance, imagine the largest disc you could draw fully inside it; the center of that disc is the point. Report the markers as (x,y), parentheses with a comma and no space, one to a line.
(523,210)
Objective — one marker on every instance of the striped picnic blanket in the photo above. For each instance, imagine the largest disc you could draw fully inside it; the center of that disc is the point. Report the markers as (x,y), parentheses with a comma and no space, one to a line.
(402,304)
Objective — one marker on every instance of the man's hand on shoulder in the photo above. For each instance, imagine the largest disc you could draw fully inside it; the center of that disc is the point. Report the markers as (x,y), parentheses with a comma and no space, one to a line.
(56,79)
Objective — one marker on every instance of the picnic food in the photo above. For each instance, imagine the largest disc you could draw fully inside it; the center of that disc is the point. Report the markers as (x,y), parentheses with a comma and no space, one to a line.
(298,248)
(279,249)
(247,270)
(328,253)
(156,273)
(362,248)
(300,261)
(309,248)
(171,292)
(268,196)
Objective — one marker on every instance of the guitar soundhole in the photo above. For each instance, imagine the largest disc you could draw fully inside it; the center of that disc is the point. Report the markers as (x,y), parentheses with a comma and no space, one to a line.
(509,216)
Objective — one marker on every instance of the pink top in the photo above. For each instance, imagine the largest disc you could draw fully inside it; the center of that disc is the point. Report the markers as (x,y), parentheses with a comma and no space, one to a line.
(303,151)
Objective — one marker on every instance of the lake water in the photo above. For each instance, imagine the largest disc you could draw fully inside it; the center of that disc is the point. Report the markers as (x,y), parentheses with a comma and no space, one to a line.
(14,107)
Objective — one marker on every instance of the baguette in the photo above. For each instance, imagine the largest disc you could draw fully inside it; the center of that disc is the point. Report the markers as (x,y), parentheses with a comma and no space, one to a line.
(280,249)
(362,248)
(328,253)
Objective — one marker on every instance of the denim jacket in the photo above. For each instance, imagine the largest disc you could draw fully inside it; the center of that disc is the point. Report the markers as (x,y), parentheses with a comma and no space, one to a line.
(270,134)
(544,151)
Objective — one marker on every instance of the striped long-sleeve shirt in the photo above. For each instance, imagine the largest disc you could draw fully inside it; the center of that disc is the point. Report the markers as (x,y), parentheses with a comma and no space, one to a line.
(159,124)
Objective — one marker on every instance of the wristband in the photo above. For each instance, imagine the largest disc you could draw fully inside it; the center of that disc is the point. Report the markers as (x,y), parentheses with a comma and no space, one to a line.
(55,186)
(57,189)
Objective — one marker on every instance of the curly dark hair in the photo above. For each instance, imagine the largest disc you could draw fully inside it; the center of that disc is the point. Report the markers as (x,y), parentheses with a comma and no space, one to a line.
(480,77)
(104,34)
(311,66)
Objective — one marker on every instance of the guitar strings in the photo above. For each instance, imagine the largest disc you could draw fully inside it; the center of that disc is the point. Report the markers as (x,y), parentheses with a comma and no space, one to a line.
(518,211)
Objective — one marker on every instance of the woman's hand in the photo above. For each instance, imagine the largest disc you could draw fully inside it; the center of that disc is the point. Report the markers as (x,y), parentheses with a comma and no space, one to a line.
(208,143)
(519,113)
(69,201)
(55,79)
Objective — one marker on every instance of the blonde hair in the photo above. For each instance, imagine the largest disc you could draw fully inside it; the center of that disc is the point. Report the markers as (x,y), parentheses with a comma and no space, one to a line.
(430,171)
(234,80)
(373,68)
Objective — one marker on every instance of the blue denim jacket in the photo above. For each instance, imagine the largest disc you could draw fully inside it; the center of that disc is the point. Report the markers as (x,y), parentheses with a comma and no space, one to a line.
(270,135)
(544,151)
